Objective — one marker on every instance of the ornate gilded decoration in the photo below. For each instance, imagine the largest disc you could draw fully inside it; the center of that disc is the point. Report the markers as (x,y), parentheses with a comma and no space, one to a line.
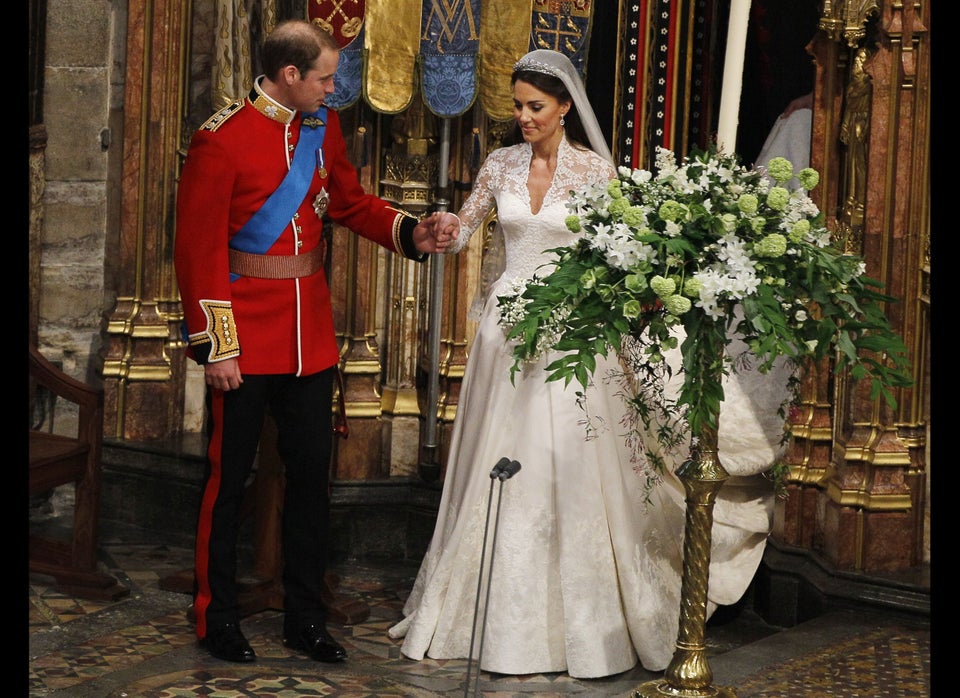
(221,331)
(847,19)
(409,168)
(689,673)
(855,134)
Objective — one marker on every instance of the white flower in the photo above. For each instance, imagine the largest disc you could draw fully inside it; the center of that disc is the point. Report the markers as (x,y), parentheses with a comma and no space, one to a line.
(710,244)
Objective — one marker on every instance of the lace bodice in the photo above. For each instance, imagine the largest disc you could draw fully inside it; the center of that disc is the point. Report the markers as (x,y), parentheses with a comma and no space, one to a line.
(502,182)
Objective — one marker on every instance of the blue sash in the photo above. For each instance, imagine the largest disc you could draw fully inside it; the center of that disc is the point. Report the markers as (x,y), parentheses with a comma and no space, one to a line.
(264,227)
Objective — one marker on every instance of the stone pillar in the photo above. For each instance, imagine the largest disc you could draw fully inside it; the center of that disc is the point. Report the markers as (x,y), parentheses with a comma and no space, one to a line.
(874,498)
(143,354)
(870,129)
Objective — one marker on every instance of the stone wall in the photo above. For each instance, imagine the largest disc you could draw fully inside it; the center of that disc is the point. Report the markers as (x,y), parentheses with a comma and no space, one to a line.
(82,100)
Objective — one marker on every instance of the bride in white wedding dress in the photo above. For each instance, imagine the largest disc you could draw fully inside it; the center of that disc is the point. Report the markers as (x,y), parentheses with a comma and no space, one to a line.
(587,574)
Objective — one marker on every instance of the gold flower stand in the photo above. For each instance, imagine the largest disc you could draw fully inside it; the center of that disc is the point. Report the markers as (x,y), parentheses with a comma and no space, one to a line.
(688,675)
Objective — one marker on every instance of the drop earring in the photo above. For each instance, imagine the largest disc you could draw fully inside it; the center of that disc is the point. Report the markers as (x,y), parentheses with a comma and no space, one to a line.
(561,121)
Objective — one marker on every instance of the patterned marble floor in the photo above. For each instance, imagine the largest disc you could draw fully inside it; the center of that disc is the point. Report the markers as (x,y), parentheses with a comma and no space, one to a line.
(143,646)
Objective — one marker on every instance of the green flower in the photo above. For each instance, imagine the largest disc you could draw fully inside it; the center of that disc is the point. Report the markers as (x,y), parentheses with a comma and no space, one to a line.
(633,217)
(663,287)
(677,305)
(691,287)
(778,198)
(720,249)
(635,283)
(631,309)
(799,230)
(590,277)
(748,203)
(780,169)
(618,207)
(773,245)
(606,293)
(671,210)
(809,178)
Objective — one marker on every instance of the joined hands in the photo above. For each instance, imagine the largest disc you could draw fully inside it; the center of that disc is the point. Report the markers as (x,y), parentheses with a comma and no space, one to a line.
(436,232)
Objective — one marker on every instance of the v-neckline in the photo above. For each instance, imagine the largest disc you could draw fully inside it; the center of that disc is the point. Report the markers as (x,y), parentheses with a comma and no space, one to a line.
(550,183)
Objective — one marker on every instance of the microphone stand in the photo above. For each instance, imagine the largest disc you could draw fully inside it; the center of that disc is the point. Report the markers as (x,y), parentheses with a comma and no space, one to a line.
(502,471)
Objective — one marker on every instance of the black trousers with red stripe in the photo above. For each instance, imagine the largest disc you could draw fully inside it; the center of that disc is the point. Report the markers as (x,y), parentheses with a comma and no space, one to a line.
(301,408)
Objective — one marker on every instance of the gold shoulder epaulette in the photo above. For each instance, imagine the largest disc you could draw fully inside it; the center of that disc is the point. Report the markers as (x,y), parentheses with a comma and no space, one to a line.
(220,118)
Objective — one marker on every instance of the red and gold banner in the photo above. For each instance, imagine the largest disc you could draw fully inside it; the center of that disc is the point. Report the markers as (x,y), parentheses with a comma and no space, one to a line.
(341,18)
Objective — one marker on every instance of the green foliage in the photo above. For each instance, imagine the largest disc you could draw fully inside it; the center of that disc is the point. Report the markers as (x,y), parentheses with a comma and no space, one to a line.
(755,261)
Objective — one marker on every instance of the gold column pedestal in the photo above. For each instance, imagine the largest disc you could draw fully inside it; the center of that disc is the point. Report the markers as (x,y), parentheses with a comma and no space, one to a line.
(689,674)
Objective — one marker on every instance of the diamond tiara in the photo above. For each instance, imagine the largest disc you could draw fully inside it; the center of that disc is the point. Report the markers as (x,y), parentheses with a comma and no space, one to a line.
(536,66)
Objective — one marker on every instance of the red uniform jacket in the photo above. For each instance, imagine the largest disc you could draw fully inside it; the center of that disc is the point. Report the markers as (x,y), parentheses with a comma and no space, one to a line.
(236,160)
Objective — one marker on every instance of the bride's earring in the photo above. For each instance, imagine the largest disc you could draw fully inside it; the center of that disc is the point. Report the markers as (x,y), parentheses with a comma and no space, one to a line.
(561,121)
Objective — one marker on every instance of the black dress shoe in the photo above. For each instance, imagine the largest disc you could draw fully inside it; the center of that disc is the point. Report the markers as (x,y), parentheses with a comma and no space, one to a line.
(228,643)
(315,641)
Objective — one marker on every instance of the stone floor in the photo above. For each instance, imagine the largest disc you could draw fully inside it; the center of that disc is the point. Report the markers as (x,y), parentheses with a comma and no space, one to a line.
(143,646)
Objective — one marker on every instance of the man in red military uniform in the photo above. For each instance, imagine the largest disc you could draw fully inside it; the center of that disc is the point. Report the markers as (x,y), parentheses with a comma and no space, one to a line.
(259,177)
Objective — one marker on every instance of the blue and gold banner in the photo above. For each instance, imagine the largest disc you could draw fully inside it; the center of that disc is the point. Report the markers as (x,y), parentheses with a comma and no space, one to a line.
(563,26)
(449,43)
(388,44)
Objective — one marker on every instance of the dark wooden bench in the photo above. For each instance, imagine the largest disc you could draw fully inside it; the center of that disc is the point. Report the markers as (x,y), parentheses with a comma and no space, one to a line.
(56,459)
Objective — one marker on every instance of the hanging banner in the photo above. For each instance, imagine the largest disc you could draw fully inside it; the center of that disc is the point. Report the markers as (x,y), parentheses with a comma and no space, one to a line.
(563,27)
(348,77)
(391,44)
(504,40)
(343,19)
(449,43)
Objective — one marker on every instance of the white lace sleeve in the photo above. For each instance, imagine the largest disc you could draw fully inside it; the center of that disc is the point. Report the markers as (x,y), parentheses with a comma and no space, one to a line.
(478,205)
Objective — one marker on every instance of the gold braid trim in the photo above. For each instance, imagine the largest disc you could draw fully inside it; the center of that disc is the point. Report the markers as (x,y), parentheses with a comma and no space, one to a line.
(397,227)
(221,331)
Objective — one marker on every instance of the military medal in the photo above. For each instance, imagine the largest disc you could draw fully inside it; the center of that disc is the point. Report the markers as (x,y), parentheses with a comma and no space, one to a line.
(321,170)
(321,201)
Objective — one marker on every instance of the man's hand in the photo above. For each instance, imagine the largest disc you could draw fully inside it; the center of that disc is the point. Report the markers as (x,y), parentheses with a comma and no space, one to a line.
(224,375)
(435,232)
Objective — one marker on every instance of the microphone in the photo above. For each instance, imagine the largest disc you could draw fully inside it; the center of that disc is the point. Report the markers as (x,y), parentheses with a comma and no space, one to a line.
(509,470)
(499,467)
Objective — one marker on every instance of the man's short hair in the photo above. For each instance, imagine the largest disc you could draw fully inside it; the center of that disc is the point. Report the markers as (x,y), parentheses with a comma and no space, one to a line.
(295,42)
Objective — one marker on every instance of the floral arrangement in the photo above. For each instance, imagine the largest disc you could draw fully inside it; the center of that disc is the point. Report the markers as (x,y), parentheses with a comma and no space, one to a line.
(719,249)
